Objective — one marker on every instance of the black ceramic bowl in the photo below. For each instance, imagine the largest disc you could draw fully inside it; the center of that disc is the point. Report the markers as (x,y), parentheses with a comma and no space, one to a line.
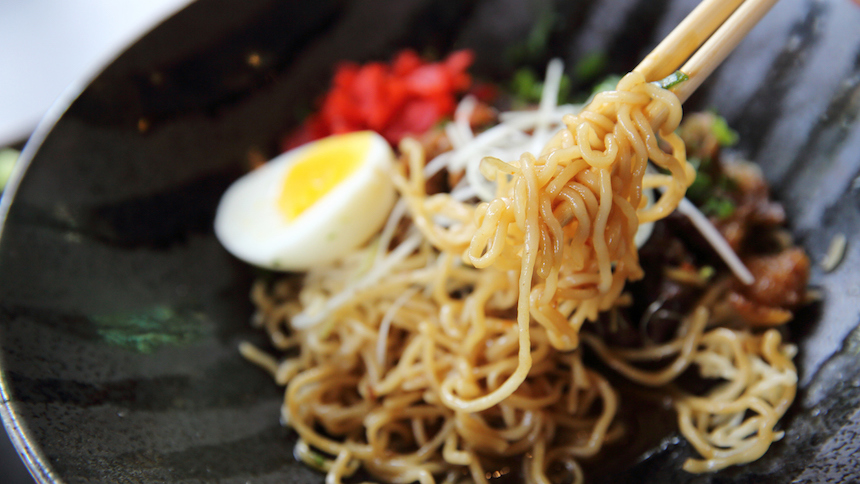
(120,313)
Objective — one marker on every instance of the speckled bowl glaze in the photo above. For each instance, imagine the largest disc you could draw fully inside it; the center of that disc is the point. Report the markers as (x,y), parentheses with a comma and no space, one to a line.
(120,313)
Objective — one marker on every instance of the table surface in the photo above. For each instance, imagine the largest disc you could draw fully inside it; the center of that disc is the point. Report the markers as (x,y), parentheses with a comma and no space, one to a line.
(11,467)
(46,45)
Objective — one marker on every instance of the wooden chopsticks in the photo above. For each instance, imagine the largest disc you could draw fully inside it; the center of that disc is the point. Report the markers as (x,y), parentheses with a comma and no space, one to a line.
(718,26)
(685,38)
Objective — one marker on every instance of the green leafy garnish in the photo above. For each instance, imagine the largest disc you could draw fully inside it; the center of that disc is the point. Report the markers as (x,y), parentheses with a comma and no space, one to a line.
(725,135)
(318,460)
(700,188)
(527,89)
(441,122)
(590,66)
(707,186)
(607,84)
(727,184)
(525,85)
(706,272)
(722,208)
(672,80)
(537,42)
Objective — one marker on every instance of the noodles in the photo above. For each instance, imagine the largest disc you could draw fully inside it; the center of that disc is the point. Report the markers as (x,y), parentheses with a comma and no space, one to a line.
(453,342)
(761,380)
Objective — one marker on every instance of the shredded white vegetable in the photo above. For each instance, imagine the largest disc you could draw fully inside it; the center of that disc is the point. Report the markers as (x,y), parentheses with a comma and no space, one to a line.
(548,102)
(643,233)
(314,315)
(835,253)
(713,236)
(385,325)
(522,131)
(517,132)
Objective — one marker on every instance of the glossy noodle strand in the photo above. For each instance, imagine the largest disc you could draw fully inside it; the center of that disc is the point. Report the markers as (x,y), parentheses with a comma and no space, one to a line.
(454,342)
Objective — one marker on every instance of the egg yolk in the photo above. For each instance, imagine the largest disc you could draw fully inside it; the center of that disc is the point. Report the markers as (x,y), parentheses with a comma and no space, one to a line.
(321,167)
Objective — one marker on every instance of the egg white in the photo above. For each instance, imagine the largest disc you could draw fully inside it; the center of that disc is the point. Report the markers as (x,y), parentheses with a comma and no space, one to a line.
(249,224)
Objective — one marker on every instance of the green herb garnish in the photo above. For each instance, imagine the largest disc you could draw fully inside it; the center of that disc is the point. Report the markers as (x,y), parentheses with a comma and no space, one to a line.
(536,44)
(672,80)
(722,208)
(727,184)
(609,83)
(725,135)
(318,460)
(700,188)
(525,85)
(590,66)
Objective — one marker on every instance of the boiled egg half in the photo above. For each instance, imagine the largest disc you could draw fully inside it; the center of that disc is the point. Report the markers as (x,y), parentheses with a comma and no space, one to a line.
(310,205)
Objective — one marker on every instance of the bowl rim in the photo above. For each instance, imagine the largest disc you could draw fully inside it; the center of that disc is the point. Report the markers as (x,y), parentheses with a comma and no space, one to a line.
(16,427)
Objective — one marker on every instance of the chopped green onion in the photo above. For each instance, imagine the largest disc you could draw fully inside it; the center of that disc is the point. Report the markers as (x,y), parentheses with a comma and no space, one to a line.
(525,85)
(538,40)
(607,84)
(672,80)
(590,66)
(721,208)
(318,460)
(441,122)
(700,188)
(303,453)
(725,135)
(727,184)
(706,272)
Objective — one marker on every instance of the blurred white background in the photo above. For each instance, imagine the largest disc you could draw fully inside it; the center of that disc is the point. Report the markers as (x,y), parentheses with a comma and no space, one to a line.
(46,46)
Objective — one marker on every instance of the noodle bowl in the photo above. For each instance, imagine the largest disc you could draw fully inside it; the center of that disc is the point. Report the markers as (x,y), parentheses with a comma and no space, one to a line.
(454,342)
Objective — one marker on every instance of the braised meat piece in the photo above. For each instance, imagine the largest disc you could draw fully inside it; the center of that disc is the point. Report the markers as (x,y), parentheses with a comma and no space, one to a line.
(780,286)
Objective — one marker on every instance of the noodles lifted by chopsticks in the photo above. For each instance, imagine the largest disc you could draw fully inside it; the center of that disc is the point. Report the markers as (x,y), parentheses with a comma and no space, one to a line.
(452,343)
(567,220)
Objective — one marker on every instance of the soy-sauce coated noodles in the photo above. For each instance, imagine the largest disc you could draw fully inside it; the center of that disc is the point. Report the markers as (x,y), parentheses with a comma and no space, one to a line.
(454,341)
